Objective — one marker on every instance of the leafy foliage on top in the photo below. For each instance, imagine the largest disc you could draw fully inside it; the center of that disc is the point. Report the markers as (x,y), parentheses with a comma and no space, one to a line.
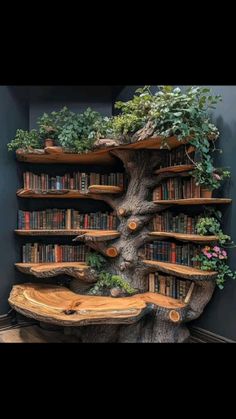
(73,131)
(171,111)
(168,112)
(25,140)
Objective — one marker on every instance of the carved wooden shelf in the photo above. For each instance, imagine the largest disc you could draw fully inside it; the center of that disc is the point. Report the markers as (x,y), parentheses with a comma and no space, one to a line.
(67,193)
(193,201)
(96,235)
(175,169)
(181,271)
(93,157)
(184,237)
(105,189)
(58,305)
(47,270)
(102,157)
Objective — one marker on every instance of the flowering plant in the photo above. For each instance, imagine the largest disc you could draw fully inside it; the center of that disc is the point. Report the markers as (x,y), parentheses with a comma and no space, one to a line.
(214,259)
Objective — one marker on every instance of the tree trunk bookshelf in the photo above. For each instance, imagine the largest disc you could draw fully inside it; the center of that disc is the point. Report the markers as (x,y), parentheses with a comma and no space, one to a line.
(145,316)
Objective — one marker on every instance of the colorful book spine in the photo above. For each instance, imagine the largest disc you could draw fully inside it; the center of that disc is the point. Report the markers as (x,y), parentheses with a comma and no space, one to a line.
(77,181)
(170,286)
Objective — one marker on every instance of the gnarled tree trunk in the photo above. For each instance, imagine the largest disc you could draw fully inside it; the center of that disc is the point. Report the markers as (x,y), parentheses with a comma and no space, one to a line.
(135,210)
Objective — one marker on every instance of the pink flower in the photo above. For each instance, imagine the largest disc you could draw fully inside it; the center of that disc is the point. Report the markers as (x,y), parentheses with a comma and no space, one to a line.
(221,257)
(209,255)
(216,176)
(216,249)
(224,253)
(215,255)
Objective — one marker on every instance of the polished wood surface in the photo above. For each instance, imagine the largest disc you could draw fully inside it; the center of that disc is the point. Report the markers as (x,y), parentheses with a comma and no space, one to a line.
(183,271)
(193,201)
(184,237)
(58,305)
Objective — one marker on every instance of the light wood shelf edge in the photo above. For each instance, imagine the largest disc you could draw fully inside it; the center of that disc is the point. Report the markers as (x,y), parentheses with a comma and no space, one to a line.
(183,237)
(181,271)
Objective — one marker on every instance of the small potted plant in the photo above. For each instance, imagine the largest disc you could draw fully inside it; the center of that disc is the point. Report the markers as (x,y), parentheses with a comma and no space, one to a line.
(49,140)
(47,130)
(209,177)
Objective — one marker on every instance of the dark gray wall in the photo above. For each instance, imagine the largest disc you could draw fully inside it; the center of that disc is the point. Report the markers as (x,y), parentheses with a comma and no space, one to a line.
(13,115)
(219,315)
(76,98)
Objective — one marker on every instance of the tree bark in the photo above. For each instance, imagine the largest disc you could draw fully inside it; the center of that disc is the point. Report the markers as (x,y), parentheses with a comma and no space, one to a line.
(135,211)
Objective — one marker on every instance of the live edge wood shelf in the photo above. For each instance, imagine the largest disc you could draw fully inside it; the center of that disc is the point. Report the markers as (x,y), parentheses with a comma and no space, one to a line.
(48,270)
(103,157)
(96,235)
(181,271)
(70,194)
(59,306)
(175,169)
(193,201)
(157,235)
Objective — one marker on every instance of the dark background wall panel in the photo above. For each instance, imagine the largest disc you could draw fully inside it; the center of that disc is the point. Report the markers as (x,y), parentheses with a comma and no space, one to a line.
(14,113)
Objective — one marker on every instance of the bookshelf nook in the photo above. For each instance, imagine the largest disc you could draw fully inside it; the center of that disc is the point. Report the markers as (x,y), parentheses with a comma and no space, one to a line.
(146,246)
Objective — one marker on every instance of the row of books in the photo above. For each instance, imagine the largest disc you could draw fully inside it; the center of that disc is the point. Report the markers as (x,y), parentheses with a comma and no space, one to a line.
(172,252)
(47,253)
(54,219)
(177,188)
(181,223)
(168,285)
(76,181)
(175,157)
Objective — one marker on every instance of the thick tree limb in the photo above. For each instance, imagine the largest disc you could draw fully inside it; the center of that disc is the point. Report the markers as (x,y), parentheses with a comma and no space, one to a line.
(200,297)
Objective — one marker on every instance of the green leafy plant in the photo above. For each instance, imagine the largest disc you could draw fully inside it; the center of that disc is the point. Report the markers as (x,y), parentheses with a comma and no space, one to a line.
(25,140)
(215,259)
(51,124)
(173,112)
(211,226)
(79,131)
(107,281)
(209,179)
(95,260)
(75,132)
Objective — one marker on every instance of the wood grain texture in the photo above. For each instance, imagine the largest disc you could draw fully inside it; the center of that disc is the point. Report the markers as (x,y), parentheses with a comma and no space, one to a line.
(193,201)
(184,237)
(181,271)
(105,189)
(175,169)
(102,157)
(93,157)
(58,305)
(96,235)
(47,270)
(67,194)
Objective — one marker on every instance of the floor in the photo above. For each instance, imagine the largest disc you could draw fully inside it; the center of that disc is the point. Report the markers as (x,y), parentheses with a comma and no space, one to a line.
(33,334)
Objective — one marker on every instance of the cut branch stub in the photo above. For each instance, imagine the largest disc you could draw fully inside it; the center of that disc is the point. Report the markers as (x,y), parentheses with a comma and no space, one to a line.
(133,225)
(121,211)
(112,252)
(174,316)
